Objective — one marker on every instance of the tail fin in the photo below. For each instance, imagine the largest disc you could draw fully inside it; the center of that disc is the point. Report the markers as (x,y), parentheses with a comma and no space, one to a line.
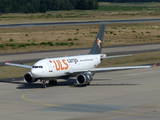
(97,46)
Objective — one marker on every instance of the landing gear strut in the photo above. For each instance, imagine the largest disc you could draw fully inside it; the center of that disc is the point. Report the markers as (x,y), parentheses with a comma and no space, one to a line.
(53,82)
(43,85)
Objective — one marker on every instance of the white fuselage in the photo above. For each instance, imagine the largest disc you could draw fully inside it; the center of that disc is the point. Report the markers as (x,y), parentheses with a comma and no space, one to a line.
(56,67)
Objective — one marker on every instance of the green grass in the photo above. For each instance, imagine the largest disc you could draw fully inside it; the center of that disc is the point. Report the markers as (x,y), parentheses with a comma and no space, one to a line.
(80,13)
(22,45)
(122,8)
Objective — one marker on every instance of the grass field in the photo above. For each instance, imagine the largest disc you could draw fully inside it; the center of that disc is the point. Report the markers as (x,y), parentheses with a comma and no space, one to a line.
(80,36)
(64,37)
(106,11)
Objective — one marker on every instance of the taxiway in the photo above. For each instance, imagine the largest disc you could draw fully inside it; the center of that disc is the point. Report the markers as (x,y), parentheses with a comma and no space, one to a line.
(114,95)
(77,23)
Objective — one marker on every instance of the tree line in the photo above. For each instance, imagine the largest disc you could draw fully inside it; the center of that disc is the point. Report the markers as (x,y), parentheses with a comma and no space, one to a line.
(129,1)
(33,6)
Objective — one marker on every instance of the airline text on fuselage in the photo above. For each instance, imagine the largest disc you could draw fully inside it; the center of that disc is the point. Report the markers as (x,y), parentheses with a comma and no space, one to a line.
(61,64)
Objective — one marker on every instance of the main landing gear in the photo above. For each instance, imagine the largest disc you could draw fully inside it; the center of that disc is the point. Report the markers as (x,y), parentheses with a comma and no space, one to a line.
(51,82)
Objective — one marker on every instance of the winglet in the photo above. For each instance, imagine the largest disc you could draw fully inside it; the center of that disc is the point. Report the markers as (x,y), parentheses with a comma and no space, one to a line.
(155,65)
(7,61)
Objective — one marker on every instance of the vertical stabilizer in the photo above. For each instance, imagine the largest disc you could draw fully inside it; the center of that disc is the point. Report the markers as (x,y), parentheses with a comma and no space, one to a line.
(97,46)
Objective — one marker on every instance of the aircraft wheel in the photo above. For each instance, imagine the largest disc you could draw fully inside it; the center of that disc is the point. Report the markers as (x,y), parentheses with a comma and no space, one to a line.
(88,83)
(53,82)
(43,86)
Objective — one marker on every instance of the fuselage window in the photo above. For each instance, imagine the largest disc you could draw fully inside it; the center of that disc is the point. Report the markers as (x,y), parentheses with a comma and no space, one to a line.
(37,67)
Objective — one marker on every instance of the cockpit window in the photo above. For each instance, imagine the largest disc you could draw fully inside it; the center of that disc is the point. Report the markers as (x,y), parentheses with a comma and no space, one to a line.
(37,66)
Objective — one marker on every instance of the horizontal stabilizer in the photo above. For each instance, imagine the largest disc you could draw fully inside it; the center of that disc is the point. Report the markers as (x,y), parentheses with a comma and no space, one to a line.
(116,56)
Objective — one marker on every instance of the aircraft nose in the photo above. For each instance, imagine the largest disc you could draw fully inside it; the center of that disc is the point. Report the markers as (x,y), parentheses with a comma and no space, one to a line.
(35,72)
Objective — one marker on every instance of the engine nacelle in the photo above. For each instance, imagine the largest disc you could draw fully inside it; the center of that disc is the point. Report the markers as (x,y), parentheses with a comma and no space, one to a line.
(28,78)
(84,78)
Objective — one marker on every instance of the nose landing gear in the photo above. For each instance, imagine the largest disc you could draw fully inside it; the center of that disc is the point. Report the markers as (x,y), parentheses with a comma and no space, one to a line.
(43,84)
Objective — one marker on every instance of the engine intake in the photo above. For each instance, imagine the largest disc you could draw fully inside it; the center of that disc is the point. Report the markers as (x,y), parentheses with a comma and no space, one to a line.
(84,78)
(28,78)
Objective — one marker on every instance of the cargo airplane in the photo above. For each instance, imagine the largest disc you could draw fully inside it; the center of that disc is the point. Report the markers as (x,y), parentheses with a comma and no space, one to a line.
(83,67)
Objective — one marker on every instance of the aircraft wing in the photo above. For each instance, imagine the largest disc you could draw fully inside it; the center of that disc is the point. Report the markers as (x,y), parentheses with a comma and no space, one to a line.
(19,65)
(108,69)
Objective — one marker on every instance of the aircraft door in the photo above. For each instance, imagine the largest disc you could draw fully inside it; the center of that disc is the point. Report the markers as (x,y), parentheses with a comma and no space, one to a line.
(50,66)
(96,61)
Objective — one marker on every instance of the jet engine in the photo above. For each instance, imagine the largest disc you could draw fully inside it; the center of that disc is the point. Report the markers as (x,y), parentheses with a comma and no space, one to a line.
(84,78)
(28,78)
